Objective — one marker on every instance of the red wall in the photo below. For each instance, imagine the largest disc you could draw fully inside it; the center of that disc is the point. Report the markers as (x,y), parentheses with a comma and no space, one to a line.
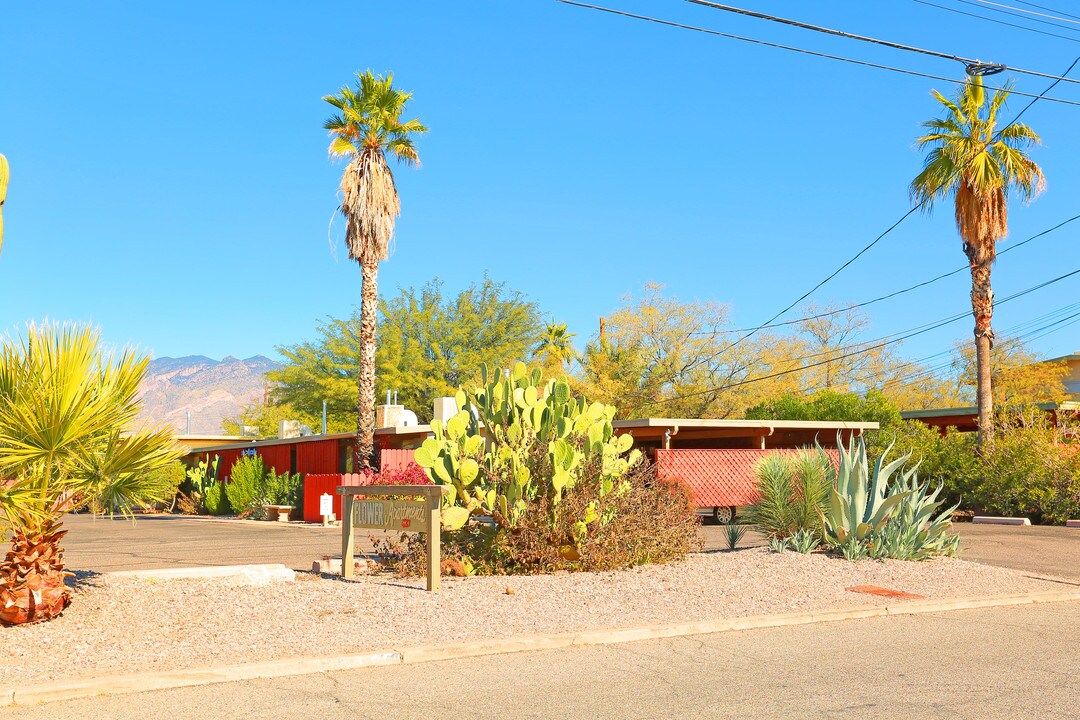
(319,456)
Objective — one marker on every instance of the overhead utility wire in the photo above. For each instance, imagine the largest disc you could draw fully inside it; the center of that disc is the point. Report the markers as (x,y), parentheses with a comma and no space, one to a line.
(974,67)
(1016,12)
(999,22)
(893,294)
(813,53)
(932,371)
(912,332)
(1048,9)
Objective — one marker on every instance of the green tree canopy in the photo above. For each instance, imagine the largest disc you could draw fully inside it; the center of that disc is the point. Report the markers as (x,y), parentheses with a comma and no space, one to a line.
(430,345)
(828,405)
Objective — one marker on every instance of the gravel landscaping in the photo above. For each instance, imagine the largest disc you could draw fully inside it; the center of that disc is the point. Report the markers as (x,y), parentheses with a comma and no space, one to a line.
(123,625)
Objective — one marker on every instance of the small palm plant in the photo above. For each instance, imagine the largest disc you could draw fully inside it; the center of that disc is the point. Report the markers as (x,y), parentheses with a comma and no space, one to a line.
(734,533)
(67,438)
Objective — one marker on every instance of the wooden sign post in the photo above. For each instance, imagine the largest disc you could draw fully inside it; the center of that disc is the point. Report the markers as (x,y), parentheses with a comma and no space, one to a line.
(387,514)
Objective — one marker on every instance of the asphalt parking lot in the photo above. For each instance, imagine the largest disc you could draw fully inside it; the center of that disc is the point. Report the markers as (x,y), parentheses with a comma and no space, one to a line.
(96,544)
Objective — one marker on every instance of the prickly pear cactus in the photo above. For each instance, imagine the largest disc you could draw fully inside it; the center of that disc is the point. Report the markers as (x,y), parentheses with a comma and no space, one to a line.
(487,450)
(5,175)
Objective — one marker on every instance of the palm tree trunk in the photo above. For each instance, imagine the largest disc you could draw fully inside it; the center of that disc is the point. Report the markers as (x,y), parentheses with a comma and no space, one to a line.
(365,395)
(32,575)
(982,307)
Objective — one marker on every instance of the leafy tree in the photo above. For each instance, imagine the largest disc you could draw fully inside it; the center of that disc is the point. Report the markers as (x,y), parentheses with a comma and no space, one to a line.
(1019,377)
(978,164)
(267,417)
(828,405)
(430,346)
(660,356)
(68,437)
(367,128)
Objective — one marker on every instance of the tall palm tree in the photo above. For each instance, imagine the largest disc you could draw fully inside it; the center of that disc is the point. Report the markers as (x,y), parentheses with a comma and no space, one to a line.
(555,348)
(67,438)
(978,164)
(367,128)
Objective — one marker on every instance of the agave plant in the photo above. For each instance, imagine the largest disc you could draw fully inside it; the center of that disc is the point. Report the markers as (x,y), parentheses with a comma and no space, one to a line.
(67,410)
(913,533)
(861,503)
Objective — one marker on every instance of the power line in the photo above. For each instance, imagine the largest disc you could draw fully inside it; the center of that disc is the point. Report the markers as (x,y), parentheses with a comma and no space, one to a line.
(1018,12)
(999,22)
(891,295)
(827,56)
(1043,7)
(910,333)
(974,67)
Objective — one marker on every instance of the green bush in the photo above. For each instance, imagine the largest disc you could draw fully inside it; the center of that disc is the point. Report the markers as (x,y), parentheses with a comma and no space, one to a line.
(793,492)
(216,501)
(283,489)
(247,482)
(1032,470)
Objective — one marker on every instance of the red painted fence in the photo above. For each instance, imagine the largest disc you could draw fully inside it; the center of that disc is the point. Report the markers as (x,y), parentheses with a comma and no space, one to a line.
(315,484)
(718,478)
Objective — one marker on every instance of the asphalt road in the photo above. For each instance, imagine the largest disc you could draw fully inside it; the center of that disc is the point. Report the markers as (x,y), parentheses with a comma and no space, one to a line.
(156,541)
(1012,662)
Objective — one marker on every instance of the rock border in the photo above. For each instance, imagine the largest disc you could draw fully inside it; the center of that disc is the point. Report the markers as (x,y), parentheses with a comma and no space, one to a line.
(168,679)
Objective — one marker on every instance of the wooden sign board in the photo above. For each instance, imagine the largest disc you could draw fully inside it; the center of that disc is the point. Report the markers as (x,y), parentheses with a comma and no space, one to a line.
(423,515)
(391,515)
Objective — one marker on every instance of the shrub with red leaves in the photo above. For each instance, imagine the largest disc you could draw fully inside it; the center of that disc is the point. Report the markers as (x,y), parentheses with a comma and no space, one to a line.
(411,474)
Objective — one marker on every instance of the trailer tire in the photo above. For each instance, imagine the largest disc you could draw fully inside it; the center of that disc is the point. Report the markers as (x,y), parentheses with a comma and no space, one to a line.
(723,515)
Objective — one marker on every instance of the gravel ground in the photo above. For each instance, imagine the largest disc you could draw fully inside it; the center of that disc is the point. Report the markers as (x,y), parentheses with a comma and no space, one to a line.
(123,625)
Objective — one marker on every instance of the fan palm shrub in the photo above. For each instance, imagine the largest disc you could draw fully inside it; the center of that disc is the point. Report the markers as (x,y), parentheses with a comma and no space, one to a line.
(367,128)
(67,438)
(978,163)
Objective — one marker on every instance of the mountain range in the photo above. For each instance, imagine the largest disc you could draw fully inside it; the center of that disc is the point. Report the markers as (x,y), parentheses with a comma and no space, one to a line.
(211,390)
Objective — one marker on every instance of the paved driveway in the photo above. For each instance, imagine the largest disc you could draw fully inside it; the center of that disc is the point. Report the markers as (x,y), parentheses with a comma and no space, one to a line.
(155,541)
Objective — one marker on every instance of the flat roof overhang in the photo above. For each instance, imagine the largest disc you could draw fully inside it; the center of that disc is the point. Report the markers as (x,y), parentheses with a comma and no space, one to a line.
(692,428)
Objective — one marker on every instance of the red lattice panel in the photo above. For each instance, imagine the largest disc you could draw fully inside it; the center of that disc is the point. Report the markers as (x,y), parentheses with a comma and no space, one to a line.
(718,478)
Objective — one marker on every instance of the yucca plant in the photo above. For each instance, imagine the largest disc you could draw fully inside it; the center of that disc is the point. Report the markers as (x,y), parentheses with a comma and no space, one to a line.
(792,492)
(734,533)
(67,413)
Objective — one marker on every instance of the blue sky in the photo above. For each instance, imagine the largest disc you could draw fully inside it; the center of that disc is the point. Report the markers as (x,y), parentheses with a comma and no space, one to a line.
(170,180)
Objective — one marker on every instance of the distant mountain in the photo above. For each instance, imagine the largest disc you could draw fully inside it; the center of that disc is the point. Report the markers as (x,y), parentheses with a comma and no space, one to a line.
(209,389)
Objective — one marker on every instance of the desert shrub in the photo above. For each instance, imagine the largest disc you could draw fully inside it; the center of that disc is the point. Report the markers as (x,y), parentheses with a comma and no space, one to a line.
(246,485)
(282,489)
(216,501)
(1030,470)
(792,493)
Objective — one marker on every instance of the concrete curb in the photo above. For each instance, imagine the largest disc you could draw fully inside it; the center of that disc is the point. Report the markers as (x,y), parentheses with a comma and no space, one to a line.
(254,574)
(143,682)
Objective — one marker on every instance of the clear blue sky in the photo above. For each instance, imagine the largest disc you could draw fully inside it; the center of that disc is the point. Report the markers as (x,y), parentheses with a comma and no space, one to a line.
(170,180)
